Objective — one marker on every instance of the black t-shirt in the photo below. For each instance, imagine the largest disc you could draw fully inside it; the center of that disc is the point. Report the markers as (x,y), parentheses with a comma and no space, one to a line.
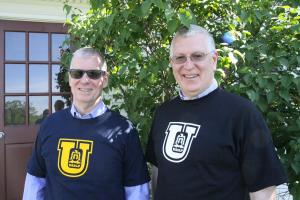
(88,158)
(214,148)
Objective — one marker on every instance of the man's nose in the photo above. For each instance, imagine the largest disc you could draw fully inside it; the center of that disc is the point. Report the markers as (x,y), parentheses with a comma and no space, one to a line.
(85,78)
(189,63)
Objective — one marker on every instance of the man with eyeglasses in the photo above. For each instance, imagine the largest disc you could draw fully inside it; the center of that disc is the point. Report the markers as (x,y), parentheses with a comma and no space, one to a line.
(87,151)
(208,144)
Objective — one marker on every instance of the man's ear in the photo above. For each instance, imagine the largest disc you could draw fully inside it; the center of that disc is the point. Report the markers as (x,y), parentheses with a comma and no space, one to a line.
(215,56)
(215,59)
(170,62)
(105,80)
(69,78)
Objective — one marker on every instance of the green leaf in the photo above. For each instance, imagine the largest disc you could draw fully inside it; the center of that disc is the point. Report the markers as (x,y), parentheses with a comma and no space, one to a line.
(247,78)
(67,8)
(186,17)
(143,74)
(271,96)
(296,167)
(135,27)
(296,27)
(172,26)
(169,13)
(295,190)
(286,81)
(159,3)
(240,54)
(296,81)
(253,96)
(285,95)
(146,7)
(97,4)
(262,104)
(268,66)
(258,15)
(284,7)
(284,62)
(262,82)
(298,123)
(298,60)
(110,19)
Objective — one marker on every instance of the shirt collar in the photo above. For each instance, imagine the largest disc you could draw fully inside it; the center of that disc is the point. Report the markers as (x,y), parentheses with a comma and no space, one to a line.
(211,88)
(97,111)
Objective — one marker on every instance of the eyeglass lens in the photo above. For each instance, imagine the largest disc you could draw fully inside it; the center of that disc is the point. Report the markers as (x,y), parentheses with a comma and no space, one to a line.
(92,74)
(195,57)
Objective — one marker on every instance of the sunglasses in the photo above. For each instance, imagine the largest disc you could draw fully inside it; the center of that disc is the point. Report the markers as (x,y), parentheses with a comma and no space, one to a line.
(92,74)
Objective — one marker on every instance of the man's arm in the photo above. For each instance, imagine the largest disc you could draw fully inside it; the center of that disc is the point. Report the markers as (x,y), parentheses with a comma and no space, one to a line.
(34,188)
(140,192)
(268,193)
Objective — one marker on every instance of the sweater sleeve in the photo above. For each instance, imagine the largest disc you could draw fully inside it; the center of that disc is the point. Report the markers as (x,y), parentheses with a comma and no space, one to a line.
(36,164)
(135,170)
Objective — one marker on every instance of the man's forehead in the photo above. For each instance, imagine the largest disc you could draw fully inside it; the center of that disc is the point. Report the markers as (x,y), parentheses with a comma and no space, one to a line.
(89,61)
(87,57)
(195,42)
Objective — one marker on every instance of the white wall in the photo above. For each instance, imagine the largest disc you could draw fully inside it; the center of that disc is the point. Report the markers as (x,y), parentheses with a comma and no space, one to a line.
(38,10)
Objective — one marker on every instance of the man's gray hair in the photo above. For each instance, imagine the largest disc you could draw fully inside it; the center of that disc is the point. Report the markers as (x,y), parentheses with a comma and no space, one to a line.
(89,52)
(191,31)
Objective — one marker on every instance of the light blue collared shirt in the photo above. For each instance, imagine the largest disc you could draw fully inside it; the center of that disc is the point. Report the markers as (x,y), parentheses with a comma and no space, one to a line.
(34,186)
(212,87)
(97,111)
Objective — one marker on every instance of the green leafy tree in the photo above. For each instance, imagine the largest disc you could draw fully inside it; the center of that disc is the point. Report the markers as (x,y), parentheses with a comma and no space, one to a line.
(14,112)
(262,64)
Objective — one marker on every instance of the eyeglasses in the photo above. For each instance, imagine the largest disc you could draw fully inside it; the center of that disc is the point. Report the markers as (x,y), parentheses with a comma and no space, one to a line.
(92,74)
(195,57)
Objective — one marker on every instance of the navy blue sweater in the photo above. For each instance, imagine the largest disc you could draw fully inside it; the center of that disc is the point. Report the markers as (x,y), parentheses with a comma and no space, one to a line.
(88,158)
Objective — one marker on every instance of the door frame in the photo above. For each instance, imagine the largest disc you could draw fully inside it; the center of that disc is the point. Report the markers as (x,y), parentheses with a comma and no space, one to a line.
(2,148)
(31,130)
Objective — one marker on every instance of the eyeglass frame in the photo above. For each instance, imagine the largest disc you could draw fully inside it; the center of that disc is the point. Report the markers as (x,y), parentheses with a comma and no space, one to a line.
(87,72)
(203,56)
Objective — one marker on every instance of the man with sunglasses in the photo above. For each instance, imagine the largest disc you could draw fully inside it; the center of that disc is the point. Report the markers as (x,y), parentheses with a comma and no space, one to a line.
(208,144)
(87,151)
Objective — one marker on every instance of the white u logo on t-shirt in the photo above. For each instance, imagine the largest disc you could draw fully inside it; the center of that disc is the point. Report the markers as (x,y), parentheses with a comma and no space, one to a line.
(178,140)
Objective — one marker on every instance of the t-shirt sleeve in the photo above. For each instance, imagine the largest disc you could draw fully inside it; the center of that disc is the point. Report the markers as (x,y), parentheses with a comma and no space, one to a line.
(261,166)
(150,152)
(135,167)
(36,163)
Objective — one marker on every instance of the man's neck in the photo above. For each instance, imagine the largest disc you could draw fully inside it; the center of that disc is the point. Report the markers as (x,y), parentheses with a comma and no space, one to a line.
(213,85)
(84,109)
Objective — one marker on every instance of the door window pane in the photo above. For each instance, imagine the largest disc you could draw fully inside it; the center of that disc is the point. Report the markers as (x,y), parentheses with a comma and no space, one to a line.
(58,103)
(55,71)
(38,46)
(14,113)
(15,78)
(38,78)
(15,46)
(57,45)
(38,109)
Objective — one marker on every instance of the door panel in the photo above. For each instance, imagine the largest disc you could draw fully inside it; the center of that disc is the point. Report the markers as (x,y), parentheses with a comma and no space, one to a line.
(16,49)
(29,63)
(16,174)
(20,134)
(38,47)
(15,82)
